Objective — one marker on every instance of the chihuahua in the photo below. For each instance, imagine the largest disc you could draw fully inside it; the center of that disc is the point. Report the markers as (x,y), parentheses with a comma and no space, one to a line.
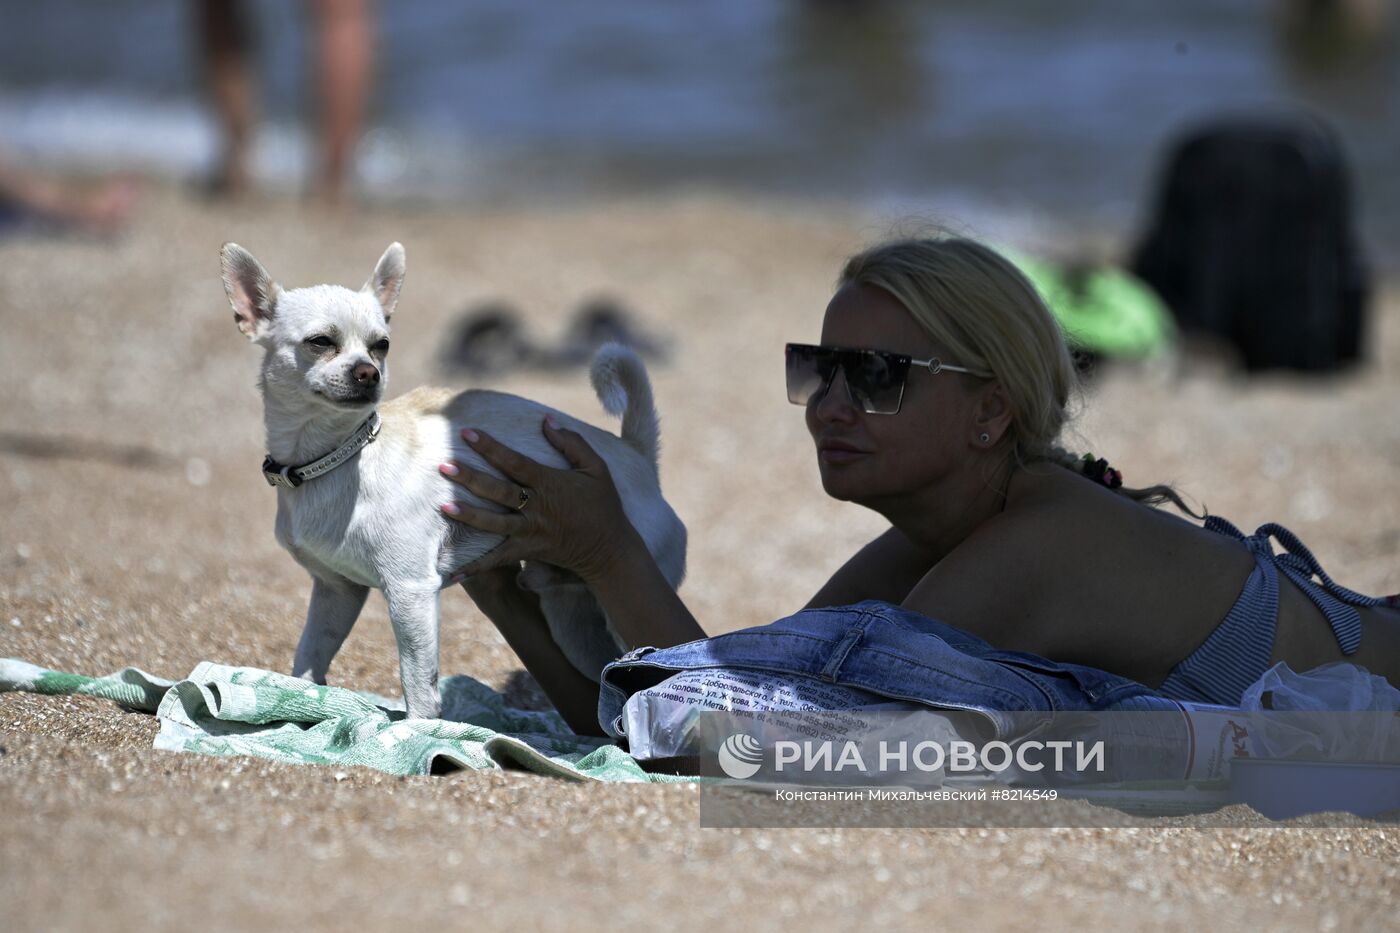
(359,494)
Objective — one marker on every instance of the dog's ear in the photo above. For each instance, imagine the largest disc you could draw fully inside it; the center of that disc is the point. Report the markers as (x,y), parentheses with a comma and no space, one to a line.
(251,292)
(388,276)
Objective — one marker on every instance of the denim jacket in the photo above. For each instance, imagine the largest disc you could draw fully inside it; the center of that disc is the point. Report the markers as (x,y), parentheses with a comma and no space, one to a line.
(891,651)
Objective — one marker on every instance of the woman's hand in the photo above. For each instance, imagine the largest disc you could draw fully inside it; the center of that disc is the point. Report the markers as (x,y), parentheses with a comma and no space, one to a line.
(570,518)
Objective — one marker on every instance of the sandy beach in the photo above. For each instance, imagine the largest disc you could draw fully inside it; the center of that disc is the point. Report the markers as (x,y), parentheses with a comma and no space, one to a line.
(137,530)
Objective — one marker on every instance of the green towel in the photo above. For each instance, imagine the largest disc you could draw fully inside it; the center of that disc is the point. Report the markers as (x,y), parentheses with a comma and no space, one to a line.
(221,710)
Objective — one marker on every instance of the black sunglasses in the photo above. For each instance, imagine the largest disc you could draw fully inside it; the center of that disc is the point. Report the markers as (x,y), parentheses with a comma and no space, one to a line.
(875,379)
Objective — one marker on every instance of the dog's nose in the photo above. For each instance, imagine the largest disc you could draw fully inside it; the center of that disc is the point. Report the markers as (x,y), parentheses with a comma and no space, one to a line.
(366,374)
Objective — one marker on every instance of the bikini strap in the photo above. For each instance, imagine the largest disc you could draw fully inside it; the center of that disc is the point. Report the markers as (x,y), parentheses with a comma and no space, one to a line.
(1337,602)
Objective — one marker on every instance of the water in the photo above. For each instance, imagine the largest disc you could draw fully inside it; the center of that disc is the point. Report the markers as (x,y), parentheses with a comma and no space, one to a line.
(1056,112)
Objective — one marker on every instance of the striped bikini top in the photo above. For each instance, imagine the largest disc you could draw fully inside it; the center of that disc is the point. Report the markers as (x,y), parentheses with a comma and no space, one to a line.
(1297,563)
(1238,652)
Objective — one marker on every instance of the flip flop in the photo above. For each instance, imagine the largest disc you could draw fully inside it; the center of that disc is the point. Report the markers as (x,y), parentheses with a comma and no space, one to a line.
(488,339)
(599,321)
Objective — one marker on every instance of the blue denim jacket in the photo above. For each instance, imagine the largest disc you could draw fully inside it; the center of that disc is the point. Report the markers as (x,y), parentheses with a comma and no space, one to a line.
(891,651)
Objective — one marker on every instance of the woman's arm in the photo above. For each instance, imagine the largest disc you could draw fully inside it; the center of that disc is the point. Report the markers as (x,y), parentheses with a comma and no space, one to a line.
(886,568)
(573,519)
(639,600)
(516,614)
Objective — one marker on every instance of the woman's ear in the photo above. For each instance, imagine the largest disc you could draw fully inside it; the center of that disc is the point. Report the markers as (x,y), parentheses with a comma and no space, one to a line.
(992,415)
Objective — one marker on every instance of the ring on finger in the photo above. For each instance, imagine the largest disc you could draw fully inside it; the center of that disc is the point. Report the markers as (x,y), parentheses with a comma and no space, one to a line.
(524,498)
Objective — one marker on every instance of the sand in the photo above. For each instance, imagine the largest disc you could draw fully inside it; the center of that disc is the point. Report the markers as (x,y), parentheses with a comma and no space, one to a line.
(136,529)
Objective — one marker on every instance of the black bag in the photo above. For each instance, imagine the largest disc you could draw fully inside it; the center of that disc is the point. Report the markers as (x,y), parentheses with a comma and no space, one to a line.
(1252,239)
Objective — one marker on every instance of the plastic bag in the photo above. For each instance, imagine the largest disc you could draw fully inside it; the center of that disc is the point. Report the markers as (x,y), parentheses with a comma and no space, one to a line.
(670,719)
(1336,712)
(1338,686)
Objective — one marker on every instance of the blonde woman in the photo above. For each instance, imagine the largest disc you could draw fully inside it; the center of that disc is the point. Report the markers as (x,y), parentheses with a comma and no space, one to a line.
(935,398)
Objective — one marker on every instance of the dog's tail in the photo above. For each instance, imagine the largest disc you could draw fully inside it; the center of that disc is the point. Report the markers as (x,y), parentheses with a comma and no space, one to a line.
(620,379)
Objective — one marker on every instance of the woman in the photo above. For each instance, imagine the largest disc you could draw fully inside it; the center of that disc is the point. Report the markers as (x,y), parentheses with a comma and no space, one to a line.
(936,398)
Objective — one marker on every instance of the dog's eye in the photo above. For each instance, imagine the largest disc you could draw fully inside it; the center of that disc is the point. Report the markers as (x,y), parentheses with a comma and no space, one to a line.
(382,346)
(321,341)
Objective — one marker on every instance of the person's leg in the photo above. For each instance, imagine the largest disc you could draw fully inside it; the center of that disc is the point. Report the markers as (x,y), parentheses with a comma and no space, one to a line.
(344,51)
(224,38)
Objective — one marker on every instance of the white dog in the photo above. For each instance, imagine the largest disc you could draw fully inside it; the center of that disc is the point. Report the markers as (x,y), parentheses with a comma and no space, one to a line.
(358,488)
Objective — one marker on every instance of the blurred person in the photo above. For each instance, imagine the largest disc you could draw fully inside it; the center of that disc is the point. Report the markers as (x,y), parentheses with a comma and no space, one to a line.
(851,62)
(344,52)
(1328,35)
(100,207)
(936,399)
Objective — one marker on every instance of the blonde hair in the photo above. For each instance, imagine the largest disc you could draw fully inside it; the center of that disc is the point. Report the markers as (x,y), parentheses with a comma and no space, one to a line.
(975,303)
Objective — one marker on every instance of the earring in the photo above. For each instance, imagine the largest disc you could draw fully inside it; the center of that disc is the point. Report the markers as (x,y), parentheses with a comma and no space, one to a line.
(984,437)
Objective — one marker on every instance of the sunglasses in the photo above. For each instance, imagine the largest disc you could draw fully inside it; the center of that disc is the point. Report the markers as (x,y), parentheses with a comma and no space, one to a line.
(875,379)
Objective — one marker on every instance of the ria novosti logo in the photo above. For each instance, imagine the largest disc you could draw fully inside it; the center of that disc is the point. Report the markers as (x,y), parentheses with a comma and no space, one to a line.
(740,756)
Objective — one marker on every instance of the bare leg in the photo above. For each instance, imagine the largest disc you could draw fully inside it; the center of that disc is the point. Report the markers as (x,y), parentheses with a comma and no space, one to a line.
(344,51)
(225,40)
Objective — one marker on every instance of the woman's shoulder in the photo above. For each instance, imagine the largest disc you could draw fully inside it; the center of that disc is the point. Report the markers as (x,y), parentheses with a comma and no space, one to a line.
(1051,507)
(885,569)
(995,581)
(1086,529)
(1062,552)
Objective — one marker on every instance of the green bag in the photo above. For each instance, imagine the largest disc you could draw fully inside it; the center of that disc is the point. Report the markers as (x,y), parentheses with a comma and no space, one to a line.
(1104,309)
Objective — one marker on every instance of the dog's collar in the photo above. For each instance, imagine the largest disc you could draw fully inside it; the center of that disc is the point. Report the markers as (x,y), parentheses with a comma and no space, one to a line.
(291,477)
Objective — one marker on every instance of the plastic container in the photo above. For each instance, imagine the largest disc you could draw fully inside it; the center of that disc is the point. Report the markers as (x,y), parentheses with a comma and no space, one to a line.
(1280,789)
